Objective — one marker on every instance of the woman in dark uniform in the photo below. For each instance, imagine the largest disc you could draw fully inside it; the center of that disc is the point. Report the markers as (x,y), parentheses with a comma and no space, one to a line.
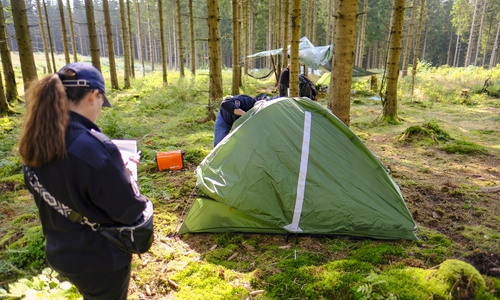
(81,168)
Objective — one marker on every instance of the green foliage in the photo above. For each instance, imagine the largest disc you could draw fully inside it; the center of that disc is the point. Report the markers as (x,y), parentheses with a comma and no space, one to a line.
(29,251)
(195,156)
(362,87)
(200,281)
(293,274)
(463,147)
(434,248)
(44,286)
(483,237)
(227,238)
(429,133)
(369,288)
(9,161)
(411,283)
(492,287)
(15,182)
(111,124)
(464,280)
(10,165)
(377,253)
(493,91)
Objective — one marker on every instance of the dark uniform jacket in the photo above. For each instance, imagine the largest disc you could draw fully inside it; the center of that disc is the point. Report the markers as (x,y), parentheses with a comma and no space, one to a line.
(284,82)
(93,181)
(229,104)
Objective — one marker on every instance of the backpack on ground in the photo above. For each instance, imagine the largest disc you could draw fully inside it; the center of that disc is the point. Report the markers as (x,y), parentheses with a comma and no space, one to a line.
(307,88)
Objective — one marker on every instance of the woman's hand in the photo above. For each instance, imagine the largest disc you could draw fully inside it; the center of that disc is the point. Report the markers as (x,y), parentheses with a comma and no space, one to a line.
(135,159)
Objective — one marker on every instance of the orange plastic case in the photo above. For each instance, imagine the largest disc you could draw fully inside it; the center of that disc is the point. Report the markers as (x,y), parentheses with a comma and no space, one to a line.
(172,160)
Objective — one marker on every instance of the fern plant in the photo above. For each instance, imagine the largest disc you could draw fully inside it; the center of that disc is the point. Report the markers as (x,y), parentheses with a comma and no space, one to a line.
(367,289)
(43,286)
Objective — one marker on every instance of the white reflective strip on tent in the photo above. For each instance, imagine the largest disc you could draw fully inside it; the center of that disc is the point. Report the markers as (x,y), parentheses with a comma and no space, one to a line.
(301,184)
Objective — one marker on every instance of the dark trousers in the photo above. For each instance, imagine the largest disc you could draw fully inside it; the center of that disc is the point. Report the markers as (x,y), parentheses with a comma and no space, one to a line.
(102,285)
(221,129)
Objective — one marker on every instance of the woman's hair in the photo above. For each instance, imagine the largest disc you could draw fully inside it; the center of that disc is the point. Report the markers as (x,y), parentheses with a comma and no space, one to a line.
(43,139)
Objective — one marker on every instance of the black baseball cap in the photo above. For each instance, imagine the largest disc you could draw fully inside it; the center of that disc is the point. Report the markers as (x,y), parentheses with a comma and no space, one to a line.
(86,76)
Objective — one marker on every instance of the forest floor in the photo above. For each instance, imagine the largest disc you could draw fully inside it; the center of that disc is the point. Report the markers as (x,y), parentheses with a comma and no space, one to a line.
(449,177)
(450,189)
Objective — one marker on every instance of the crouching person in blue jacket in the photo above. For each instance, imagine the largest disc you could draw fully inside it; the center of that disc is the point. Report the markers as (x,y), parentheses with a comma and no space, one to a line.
(230,110)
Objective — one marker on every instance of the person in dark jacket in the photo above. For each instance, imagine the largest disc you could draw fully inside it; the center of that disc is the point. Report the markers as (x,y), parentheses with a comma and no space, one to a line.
(231,108)
(284,82)
(81,168)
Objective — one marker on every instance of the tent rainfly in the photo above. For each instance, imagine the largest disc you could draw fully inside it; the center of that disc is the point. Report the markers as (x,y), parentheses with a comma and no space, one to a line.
(290,166)
(315,57)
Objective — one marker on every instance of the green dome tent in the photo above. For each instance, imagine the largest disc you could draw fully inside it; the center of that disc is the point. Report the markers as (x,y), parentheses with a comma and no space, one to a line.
(290,166)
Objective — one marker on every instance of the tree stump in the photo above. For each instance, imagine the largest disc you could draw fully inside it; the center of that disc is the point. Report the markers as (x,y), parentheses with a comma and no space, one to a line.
(465,93)
(373,83)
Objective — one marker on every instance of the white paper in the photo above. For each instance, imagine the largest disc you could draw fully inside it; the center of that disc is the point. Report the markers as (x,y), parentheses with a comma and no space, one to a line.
(127,149)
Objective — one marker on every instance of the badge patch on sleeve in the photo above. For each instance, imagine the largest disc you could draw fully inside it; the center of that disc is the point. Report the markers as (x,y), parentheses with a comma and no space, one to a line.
(237,102)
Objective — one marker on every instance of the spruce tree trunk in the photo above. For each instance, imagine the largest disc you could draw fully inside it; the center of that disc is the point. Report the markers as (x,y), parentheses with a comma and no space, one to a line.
(269,42)
(494,52)
(170,47)
(130,41)
(63,31)
(235,86)
(362,35)
(309,19)
(478,47)
(93,39)
(21,25)
(50,36)
(329,23)
(456,57)
(294,45)
(308,28)
(315,22)
(448,53)
(191,38)
(4,105)
(390,100)
(424,47)
(240,42)
(245,36)
(179,40)
(472,36)
(343,59)
(488,42)
(162,42)
(72,32)
(417,46)
(150,42)
(214,58)
(42,29)
(125,45)
(111,51)
(8,70)
(286,34)
(409,40)
(279,38)
(175,56)
(251,47)
(139,37)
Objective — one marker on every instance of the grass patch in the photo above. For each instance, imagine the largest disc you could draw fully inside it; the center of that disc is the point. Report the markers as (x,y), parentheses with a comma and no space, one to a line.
(463,147)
